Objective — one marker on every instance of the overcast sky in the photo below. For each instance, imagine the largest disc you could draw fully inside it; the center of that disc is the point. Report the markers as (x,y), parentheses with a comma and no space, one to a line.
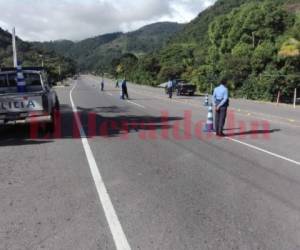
(44,20)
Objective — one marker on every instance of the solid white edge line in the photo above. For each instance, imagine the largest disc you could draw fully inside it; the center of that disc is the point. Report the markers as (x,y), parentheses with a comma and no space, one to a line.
(117,232)
(264,151)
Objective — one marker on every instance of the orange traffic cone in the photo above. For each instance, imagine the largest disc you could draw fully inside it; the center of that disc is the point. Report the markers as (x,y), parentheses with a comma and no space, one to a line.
(209,126)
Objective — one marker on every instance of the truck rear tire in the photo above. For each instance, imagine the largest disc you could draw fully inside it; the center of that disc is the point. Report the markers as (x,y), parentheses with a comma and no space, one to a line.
(51,125)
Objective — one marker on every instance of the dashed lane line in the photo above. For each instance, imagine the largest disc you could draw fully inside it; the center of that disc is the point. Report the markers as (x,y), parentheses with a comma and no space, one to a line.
(247,114)
(136,104)
(131,102)
(235,140)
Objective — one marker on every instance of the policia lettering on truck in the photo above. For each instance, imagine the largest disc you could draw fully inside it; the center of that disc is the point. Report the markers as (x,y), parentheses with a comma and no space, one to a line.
(17,105)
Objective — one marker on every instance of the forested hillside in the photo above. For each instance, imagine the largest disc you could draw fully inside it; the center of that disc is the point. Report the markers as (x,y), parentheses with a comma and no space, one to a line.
(30,56)
(253,43)
(97,54)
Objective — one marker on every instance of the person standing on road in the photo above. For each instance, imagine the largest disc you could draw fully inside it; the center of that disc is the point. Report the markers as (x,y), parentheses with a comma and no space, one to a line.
(124,90)
(170,88)
(221,102)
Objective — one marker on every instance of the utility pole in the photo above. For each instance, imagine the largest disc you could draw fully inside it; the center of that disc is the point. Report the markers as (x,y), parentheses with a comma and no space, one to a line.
(15,57)
(42,57)
(278,97)
(59,72)
(295,98)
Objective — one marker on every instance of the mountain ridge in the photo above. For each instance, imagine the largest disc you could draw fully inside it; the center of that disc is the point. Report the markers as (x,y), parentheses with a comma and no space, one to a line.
(31,56)
(94,53)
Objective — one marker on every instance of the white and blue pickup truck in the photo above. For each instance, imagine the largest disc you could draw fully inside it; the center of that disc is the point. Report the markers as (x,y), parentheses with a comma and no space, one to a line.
(39,102)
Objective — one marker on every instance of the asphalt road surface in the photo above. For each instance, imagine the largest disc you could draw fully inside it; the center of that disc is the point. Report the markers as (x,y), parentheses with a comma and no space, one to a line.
(141,174)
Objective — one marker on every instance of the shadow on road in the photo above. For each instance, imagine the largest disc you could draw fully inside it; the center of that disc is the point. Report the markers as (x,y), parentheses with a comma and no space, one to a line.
(109,121)
(252,132)
(109,109)
(18,135)
(231,129)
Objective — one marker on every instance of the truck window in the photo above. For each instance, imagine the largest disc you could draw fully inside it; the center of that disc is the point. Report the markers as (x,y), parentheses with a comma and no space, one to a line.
(3,82)
(32,79)
(8,82)
(12,80)
(33,82)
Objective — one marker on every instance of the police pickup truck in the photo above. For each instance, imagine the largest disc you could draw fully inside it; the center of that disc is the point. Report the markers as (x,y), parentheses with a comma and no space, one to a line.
(39,102)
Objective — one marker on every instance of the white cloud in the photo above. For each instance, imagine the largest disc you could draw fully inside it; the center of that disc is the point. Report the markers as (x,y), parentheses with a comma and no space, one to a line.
(78,19)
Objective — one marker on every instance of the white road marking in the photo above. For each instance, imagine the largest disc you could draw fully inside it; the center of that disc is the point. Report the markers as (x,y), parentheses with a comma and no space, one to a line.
(252,146)
(234,140)
(280,120)
(136,104)
(131,102)
(264,151)
(118,234)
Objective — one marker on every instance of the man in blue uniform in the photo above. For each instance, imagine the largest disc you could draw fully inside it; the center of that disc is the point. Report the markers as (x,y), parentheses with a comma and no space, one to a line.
(221,102)
(124,89)
(170,88)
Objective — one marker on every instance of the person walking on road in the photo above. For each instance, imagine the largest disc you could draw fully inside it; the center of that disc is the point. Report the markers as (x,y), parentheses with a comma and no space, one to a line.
(124,90)
(117,84)
(221,102)
(102,85)
(170,88)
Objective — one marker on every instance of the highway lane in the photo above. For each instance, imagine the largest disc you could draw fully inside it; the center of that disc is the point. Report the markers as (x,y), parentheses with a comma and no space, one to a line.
(282,113)
(48,199)
(245,195)
(274,134)
(167,192)
(265,110)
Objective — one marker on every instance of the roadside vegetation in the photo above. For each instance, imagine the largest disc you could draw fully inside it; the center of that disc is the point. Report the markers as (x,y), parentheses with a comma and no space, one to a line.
(58,67)
(255,44)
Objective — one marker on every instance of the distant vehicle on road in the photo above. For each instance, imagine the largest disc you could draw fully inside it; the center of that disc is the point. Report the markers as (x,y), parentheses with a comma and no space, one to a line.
(185,88)
(182,87)
(38,101)
(75,77)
